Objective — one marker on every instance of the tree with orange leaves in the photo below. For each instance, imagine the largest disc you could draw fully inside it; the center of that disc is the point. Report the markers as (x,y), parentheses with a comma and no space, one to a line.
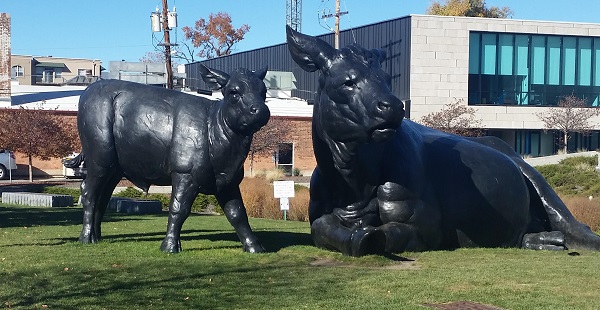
(216,37)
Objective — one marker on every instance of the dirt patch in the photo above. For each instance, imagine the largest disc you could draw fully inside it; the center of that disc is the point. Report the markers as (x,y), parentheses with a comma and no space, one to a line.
(462,305)
(330,262)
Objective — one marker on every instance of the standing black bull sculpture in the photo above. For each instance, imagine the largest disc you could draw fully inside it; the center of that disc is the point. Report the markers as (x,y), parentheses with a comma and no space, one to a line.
(152,135)
(384,184)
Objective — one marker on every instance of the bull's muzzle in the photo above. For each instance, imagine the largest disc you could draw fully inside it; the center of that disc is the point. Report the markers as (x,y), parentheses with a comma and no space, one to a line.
(389,112)
(390,109)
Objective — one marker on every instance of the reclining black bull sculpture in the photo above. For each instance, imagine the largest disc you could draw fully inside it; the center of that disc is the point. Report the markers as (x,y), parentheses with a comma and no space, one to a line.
(157,136)
(384,184)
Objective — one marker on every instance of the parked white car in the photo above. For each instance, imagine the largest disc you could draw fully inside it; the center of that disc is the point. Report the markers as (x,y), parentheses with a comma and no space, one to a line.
(7,161)
(74,173)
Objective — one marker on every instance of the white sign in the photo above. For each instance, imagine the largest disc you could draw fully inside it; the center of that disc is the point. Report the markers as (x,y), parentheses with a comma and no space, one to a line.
(284,203)
(283,189)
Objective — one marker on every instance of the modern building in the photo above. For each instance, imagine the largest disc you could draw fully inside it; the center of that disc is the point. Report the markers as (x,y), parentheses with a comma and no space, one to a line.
(508,70)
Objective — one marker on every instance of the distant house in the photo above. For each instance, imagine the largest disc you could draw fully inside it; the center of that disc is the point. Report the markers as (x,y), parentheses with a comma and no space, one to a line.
(145,73)
(48,70)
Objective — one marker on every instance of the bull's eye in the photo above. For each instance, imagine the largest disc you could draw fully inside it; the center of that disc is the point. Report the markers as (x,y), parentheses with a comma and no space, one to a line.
(235,96)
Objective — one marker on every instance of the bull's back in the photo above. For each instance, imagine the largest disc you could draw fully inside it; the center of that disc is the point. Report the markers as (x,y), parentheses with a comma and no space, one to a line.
(132,125)
(479,190)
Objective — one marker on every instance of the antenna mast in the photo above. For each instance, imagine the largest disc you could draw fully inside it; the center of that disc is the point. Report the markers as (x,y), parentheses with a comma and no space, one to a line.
(293,14)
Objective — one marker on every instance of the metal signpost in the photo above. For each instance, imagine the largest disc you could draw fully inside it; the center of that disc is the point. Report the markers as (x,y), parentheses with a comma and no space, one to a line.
(283,190)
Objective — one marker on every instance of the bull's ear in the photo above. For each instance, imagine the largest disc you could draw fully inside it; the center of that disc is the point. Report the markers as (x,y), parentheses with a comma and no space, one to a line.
(262,72)
(213,78)
(381,54)
(310,53)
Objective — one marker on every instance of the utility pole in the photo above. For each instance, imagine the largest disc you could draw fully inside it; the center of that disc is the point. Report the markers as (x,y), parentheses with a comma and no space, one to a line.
(165,21)
(167,43)
(337,15)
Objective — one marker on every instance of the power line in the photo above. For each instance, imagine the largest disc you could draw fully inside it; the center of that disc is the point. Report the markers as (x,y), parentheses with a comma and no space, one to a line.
(337,15)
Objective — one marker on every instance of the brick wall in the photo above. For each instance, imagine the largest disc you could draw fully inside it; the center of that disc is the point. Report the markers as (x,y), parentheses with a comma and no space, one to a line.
(304,158)
(4,56)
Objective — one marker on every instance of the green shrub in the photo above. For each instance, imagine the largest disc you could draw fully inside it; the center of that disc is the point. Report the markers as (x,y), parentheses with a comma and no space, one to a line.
(591,161)
(61,190)
(164,199)
(200,204)
(204,202)
(573,176)
(129,192)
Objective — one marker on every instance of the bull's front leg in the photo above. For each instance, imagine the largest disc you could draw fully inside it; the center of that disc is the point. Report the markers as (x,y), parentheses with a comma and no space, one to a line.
(409,223)
(231,202)
(182,196)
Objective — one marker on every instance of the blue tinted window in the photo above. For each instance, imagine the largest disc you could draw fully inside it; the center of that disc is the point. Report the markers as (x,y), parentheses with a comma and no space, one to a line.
(488,53)
(585,61)
(569,44)
(531,69)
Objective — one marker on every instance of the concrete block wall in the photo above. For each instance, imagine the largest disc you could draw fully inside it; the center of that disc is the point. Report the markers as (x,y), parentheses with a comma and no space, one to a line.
(4,57)
(439,67)
(37,199)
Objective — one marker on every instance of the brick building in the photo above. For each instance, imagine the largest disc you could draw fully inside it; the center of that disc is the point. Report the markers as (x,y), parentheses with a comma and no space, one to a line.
(4,57)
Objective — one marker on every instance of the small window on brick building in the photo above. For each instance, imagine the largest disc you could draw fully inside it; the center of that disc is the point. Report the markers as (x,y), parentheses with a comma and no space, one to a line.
(16,71)
(284,157)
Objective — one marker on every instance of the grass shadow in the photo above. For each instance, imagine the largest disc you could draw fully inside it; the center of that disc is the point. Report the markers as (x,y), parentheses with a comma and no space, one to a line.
(273,241)
(22,216)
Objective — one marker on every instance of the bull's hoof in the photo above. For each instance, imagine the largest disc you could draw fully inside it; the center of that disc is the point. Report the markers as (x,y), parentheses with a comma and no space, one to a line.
(170,246)
(545,240)
(367,240)
(254,248)
(88,238)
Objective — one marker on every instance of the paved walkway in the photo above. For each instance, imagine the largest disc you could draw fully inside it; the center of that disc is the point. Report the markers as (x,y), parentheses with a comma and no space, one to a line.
(555,159)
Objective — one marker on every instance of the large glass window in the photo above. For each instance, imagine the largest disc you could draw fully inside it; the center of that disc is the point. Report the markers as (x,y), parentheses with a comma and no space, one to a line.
(524,69)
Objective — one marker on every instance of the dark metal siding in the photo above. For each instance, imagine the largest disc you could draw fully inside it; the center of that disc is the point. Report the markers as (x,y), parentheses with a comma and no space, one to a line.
(393,36)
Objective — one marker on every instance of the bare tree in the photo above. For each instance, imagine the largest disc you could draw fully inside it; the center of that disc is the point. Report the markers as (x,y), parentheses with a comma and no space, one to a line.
(571,115)
(471,8)
(265,140)
(216,37)
(456,118)
(36,133)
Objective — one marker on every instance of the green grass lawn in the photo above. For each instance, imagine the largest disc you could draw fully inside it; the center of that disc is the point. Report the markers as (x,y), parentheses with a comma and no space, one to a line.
(43,266)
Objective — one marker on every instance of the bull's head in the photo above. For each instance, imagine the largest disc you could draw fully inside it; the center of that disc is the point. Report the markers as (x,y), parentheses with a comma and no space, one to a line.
(355,102)
(244,94)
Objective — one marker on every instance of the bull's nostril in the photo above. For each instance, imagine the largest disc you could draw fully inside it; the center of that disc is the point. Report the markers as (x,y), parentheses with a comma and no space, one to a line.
(253,110)
(384,105)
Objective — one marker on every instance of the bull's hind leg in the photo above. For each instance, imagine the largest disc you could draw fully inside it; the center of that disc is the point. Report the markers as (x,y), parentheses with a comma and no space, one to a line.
(95,194)
(231,202)
(546,240)
(183,194)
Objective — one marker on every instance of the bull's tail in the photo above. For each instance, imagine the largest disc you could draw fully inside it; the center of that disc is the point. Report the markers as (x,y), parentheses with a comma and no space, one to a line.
(74,162)
(577,235)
